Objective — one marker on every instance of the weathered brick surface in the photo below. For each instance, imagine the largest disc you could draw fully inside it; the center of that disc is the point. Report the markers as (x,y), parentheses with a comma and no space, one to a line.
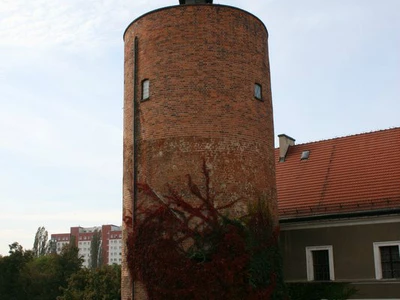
(202,62)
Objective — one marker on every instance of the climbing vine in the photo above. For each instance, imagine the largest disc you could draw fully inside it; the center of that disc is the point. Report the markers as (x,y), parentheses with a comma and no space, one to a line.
(181,249)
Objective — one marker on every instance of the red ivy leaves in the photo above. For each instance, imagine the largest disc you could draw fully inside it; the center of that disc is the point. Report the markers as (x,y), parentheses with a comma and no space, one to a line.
(184,249)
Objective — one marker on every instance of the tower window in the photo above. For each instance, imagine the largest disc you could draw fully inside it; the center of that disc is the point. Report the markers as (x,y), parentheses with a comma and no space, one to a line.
(145,89)
(258,91)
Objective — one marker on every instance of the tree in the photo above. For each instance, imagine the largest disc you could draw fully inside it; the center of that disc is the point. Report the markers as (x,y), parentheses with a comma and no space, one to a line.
(70,261)
(11,269)
(45,276)
(24,276)
(95,250)
(42,277)
(40,243)
(55,276)
(103,283)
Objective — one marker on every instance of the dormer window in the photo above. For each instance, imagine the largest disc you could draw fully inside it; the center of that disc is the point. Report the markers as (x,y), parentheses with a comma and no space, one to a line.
(257,91)
(305,155)
(145,89)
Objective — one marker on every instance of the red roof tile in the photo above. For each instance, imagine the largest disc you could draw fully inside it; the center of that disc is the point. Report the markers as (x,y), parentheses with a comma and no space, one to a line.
(348,174)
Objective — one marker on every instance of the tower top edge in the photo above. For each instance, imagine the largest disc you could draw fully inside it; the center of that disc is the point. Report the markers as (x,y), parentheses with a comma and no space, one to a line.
(179,6)
(195,1)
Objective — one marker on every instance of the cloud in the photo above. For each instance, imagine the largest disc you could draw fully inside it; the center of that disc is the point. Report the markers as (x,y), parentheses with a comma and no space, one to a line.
(74,24)
(58,140)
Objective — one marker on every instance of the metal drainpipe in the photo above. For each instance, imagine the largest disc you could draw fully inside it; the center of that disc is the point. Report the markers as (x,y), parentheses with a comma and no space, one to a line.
(135,110)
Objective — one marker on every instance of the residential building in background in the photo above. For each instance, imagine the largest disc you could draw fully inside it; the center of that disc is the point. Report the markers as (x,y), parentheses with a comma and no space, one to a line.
(109,248)
(339,208)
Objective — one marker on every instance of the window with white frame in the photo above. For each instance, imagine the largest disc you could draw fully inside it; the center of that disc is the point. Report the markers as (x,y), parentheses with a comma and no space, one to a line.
(387,259)
(320,263)
(145,94)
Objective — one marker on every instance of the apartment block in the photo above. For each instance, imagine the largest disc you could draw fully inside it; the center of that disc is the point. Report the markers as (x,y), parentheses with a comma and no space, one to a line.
(109,248)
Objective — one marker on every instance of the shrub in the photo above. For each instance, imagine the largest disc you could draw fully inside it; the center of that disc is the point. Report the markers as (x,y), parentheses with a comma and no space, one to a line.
(320,290)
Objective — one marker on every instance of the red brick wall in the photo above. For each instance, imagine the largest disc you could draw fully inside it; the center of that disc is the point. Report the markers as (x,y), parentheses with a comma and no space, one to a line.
(202,62)
(105,237)
(75,232)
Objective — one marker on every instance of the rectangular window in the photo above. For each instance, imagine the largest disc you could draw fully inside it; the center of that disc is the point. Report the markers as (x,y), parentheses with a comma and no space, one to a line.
(145,89)
(387,260)
(257,91)
(390,260)
(320,263)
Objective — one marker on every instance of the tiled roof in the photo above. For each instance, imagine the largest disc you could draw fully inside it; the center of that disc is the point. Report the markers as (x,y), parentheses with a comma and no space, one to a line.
(348,174)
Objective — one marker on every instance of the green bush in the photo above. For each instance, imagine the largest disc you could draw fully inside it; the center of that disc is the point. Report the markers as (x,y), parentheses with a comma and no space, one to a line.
(320,290)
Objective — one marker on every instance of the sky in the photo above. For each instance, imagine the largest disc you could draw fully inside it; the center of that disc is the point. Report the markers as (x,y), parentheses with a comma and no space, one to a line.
(335,71)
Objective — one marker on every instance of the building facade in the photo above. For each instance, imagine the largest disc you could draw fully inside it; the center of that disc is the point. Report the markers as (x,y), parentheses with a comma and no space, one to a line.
(110,243)
(197,88)
(339,206)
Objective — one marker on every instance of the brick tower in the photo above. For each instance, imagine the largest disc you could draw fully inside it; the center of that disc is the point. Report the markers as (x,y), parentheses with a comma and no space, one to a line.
(197,87)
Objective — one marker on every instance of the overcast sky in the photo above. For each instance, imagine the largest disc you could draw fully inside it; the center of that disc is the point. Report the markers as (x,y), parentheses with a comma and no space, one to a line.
(335,68)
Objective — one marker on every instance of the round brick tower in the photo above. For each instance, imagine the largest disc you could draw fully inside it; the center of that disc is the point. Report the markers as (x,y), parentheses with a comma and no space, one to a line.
(197,87)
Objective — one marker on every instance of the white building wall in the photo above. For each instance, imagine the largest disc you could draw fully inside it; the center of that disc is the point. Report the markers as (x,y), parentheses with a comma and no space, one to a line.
(60,243)
(84,251)
(114,251)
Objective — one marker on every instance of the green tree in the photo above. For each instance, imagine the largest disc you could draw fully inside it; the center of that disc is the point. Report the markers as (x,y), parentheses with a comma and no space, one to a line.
(95,250)
(11,268)
(24,276)
(45,276)
(40,243)
(94,284)
(42,277)
(70,261)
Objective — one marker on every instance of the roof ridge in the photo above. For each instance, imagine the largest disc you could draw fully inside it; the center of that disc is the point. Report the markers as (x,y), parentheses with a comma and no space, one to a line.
(351,135)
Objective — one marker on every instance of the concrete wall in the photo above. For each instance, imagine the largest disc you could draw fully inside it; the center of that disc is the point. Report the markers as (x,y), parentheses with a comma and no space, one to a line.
(352,253)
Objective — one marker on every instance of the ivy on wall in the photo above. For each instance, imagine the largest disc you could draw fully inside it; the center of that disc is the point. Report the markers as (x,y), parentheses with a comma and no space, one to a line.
(181,249)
